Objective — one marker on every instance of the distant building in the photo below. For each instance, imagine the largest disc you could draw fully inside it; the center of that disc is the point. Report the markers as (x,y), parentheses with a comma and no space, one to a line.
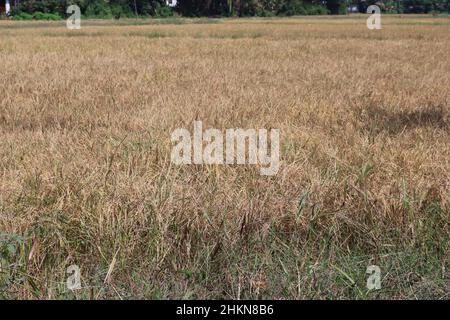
(352,9)
(5,7)
(171,3)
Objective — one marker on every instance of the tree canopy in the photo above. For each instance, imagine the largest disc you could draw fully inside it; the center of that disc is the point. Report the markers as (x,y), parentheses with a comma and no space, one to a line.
(192,8)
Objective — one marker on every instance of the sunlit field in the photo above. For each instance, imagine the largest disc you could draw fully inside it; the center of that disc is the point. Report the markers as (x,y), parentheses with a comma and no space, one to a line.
(86,118)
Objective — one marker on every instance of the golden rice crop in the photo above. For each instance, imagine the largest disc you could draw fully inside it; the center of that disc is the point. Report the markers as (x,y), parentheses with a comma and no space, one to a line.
(86,178)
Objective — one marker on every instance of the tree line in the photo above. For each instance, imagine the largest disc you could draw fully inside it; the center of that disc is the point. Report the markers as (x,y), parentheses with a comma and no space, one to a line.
(197,8)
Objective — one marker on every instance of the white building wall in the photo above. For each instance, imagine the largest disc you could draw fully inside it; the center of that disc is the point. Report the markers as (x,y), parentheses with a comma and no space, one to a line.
(7,8)
(171,3)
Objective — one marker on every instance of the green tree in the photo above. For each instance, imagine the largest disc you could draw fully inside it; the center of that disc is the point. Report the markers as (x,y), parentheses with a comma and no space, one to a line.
(337,6)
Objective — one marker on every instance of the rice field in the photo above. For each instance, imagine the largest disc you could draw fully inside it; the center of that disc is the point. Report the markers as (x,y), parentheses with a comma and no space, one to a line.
(86,176)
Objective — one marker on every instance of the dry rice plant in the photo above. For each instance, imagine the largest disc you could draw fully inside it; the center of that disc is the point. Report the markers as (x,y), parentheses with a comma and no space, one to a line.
(86,177)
